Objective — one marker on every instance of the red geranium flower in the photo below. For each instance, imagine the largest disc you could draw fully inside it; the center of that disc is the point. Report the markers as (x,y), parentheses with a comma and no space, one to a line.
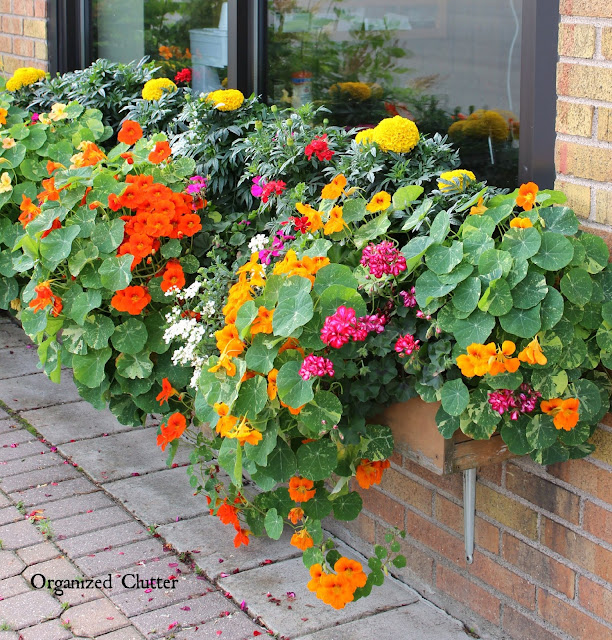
(183,76)
(319,147)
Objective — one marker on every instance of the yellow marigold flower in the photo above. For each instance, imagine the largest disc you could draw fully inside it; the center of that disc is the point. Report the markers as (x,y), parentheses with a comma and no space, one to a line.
(12,84)
(460,177)
(24,77)
(380,202)
(456,128)
(396,134)
(520,223)
(5,183)
(479,209)
(58,112)
(355,90)
(532,353)
(154,89)
(365,137)
(226,99)
(486,124)
(8,143)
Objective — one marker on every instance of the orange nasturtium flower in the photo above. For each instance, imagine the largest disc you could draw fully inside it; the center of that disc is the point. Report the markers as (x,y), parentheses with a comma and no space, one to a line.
(294,411)
(292,343)
(52,166)
(272,388)
(352,571)
(254,270)
(130,132)
(335,222)
(502,361)
(230,346)
(314,216)
(173,276)
(245,434)
(263,321)
(166,393)
(174,429)
(527,195)
(50,192)
(487,358)
(90,155)
(160,152)
(520,223)
(295,514)
(369,473)
(335,590)
(479,209)
(379,202)
(307,267)
(532,353)
(29,211)
(56,224)
(228,514)
(334,189)
(242,536)
(165,52)
(131,300)
(226,421)
(3,114)
(302,540)
(301,489)
(316,573)
(565,412)
(43,298)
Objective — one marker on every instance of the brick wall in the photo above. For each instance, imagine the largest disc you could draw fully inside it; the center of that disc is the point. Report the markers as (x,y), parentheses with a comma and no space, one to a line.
(584,111)
(542,566)
(23,35)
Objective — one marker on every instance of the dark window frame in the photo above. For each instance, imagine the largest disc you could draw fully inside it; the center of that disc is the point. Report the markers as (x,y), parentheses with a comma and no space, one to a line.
(69,40)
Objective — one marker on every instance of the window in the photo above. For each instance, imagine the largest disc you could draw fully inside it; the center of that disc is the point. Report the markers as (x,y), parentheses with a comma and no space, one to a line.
(453,67)
(177,34)
(483,70)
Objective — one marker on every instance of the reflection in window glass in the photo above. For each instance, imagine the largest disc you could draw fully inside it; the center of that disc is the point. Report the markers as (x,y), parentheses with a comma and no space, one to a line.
(452,66)
(178,34)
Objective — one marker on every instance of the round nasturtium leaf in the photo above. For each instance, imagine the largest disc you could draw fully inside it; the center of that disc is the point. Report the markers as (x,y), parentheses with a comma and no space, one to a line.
(576,286)
(455,397)
(555,252)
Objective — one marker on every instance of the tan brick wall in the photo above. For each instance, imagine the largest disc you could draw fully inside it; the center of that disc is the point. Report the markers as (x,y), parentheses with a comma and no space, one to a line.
(583,154)
(23,35)
(542,566)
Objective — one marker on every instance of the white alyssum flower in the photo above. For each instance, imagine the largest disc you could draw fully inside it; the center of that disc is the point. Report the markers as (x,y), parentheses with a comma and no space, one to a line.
(191,291)
(258,243)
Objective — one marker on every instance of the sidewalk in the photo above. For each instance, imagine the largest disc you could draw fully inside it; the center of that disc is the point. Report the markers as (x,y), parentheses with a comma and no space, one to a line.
(82,496)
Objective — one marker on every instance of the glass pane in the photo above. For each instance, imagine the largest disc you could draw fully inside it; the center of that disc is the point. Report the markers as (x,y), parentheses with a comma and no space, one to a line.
(453,67)
(178,34)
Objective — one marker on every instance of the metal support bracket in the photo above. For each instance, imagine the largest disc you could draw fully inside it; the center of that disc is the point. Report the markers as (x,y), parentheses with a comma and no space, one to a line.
(469,512)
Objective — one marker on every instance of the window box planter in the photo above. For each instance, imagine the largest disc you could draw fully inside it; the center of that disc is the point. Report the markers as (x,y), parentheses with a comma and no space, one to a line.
(417,437)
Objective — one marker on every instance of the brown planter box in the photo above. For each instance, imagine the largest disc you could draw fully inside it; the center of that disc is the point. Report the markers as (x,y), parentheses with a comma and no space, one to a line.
(413,424)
